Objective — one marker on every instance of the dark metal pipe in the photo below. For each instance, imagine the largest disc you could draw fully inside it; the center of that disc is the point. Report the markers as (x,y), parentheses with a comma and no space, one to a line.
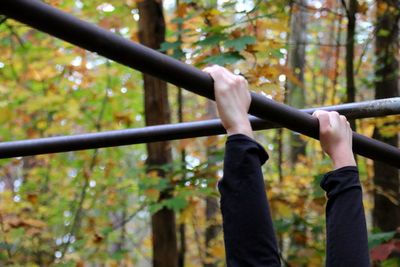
(91,37)
(367,109)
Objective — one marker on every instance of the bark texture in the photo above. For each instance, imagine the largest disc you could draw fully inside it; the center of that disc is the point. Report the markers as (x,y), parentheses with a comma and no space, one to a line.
(386,213)
(351,10)
(157,111)
(212,203)
(297,61)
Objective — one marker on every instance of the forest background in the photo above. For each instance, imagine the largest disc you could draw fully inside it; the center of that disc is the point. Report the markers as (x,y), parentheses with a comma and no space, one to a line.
(157,204)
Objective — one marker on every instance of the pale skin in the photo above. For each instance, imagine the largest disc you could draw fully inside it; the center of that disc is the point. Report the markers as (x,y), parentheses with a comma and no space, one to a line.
(233,101)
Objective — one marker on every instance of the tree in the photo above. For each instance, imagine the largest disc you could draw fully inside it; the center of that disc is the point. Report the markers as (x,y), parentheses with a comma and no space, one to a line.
(297,62)
(213,228)
(157,111)
(351,10)
(386,214)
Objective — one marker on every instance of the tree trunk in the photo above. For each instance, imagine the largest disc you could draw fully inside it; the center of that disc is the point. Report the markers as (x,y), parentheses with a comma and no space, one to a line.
(212,206)
(297,60)
(386,214)
(182,225)
(351,30)
(157,111)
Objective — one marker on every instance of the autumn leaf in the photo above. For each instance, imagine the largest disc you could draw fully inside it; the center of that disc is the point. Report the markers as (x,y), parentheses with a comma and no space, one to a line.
(224,59)
(382,252)
(240,43)
(152,193)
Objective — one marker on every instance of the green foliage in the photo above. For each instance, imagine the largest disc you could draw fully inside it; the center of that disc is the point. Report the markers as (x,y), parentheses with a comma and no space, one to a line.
(224,59)
(394,262)
(213,40)
(375,239)
(94,207)
(240,43)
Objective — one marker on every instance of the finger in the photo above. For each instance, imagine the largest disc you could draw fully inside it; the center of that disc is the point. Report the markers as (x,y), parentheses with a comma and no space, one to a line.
(323,118)
(241,80)
(207,69)
(319,112)
(334,119)
(343,121)
(216,72)
(228,74)
(350,133)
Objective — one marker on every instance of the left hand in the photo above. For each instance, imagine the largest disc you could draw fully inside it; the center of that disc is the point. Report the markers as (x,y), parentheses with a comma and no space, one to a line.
(336,138)
(233,100)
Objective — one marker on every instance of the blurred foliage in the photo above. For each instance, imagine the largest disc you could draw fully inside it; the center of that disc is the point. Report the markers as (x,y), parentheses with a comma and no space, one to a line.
(93,208)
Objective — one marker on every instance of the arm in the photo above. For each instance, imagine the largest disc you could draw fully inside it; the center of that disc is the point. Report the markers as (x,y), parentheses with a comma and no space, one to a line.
(347,242)
(248,231)
(247,224)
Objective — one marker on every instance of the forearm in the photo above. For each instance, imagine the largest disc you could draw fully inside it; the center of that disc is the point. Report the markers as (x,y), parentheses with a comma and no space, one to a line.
(347,242)
(248,231)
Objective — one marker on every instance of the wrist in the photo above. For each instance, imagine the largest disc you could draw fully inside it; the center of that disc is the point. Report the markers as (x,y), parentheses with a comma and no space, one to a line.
(343,161)
(241,128)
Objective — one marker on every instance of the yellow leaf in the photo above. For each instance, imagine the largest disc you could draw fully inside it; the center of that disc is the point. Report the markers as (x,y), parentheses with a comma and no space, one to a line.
(34,223)
(282,209)
(274,25)
(217,251)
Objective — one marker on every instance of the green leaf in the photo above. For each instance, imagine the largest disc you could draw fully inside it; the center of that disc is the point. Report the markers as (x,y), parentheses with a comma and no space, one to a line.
(277,53)
(240,43)
(318,192)
(170,45)
(212,40)
(224,59)
(119,255)
(153,208)
(383,33)
(394,262)
(283,225)
(5,246)
(376,239)
(178,54)
(178,20)
(176,203)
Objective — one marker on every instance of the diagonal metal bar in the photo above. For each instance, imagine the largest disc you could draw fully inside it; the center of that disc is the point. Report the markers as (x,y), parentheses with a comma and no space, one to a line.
(367,109)
(91,37)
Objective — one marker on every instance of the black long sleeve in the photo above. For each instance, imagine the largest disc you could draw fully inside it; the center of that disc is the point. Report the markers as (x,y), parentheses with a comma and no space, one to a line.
(347,243)
(248,232)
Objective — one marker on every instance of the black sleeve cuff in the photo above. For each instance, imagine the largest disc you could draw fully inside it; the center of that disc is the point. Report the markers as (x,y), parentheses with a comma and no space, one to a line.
(244,139)
(340,180)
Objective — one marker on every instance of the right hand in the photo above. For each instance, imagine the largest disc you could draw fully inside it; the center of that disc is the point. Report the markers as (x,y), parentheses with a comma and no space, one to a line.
(233,100)
(336,138)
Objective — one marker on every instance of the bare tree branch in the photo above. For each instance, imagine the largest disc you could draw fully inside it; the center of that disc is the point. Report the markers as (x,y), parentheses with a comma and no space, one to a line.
(82,196)
(15,34)
(345,8)
(322,9)
(3,19)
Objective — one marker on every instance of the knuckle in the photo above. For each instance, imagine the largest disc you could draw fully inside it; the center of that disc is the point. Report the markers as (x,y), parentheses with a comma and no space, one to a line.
(319,113)
(231,82)
(239,78)
(324,115)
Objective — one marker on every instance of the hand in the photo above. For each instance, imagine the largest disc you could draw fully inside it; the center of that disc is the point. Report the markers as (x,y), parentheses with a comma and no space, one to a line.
(336,138)
(233,100)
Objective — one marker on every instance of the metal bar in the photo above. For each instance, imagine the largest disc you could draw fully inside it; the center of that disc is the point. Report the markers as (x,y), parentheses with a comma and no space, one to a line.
(91,37)
(367,109)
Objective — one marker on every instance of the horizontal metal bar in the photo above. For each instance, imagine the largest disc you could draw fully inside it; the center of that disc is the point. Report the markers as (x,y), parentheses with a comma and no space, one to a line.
(91,37)
(367,109)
